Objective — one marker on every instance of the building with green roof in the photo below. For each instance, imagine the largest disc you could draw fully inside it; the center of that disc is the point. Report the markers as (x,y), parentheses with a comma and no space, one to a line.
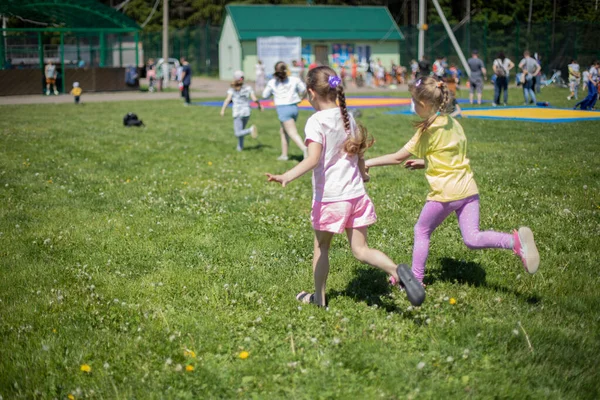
(329,35)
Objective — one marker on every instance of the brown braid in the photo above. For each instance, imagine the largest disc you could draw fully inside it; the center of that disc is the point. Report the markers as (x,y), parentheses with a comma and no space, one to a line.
(341,97)
(318,80)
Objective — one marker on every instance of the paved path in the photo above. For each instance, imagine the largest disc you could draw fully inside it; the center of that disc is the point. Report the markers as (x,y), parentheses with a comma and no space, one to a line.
(202,88)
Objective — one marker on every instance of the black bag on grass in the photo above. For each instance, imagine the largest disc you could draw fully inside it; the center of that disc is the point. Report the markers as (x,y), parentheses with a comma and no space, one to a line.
(130,119)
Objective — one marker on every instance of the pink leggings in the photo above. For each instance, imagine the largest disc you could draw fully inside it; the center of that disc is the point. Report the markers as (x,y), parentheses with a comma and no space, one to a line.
(467,211)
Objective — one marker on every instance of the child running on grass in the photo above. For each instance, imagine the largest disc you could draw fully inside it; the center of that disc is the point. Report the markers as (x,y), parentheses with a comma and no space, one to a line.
(241,95)
(335,154)
(441,141)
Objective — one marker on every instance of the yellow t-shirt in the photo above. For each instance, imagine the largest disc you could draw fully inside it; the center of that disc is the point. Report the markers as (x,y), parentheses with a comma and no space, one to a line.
(444,146)
(76,91)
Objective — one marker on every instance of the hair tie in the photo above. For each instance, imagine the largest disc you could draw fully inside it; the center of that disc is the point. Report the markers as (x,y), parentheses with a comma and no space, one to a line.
(418,82)
(334,81)
(440,84)
(437,114)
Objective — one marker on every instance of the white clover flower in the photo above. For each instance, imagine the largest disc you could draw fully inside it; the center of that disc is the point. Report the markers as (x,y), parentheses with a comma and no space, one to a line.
(421,365)
(450,359)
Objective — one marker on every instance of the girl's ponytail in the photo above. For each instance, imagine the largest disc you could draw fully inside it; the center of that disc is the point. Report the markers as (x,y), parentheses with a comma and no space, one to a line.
(359,141)
(280,71)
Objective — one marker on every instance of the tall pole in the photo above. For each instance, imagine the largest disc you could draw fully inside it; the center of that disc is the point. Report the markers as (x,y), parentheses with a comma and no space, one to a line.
(461,56)
(529,22)
(62,63)
(165,42)
(4,46)
(165,31)
(468,35)
(421,49)
(553,23)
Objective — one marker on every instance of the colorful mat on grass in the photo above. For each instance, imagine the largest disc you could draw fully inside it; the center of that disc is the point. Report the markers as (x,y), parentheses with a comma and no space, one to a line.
(351,102)
(525,114)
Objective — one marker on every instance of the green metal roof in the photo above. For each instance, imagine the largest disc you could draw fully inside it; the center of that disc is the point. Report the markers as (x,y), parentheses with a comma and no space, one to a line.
(68,14)
(314,22)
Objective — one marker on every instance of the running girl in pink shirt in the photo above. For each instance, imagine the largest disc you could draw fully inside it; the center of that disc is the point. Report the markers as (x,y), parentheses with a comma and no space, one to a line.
(336,146)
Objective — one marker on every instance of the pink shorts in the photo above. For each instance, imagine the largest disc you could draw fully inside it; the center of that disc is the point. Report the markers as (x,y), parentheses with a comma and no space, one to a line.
(335,216)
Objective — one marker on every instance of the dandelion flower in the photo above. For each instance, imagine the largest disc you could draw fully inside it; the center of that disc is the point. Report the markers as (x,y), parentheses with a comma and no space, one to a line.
(85,368)
(209,163)
(189,368)
(244,354)
(452,301)
(189,353)
(70,397)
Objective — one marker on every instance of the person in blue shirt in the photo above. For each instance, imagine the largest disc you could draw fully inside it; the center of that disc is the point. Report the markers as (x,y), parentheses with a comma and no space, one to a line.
(186,80)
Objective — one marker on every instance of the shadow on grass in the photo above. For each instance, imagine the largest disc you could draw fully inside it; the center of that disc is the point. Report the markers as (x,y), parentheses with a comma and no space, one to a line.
(368,285)
(257,147)
(471,273)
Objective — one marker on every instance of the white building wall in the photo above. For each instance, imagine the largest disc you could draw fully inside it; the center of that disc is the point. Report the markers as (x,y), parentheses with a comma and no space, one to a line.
(250,59)
(230,51)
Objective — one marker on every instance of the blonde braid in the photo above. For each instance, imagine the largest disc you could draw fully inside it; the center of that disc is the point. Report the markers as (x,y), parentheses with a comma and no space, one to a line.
(445,94)
(445,98)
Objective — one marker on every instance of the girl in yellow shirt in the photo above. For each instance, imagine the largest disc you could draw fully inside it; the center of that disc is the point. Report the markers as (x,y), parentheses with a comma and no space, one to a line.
(440,140)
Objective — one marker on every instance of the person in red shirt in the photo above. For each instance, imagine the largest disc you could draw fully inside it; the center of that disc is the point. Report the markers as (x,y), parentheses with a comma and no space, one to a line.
(354,71)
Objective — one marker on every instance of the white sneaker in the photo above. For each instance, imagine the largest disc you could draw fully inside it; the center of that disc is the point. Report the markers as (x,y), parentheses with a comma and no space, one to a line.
(524,247)
(568,97)
(254,132)
(56,92)
(239,148)
(47,93)
(282,158)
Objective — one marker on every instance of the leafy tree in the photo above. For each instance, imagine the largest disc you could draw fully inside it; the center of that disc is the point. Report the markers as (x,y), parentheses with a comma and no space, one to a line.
(184,13)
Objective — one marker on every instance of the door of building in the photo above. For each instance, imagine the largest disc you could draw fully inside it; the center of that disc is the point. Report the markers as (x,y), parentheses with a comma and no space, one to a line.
(322,54)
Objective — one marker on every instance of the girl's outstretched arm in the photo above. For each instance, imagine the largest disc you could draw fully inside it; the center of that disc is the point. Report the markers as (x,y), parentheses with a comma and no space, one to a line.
(267,92)
(457,111)
(389,159)
(253,97)
(308,164)
(363,169)
(225,104)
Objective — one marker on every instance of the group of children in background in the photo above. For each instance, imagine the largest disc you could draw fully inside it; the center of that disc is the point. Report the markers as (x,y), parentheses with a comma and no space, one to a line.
(334,148)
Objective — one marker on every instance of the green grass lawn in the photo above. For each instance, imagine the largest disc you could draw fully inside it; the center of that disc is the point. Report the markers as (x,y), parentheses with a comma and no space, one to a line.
(157,256)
